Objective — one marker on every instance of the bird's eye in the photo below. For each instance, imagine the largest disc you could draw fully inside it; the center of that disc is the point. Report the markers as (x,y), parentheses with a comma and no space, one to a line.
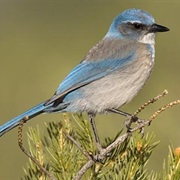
(137,26)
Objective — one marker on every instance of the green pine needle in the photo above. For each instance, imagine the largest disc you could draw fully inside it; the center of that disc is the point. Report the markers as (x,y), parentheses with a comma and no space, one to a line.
(61,157)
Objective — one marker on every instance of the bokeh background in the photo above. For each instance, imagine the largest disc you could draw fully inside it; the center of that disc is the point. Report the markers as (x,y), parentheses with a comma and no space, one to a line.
(41,41)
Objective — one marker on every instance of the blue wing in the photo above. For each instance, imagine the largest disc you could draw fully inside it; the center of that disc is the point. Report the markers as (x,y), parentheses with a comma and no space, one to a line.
(105,58)
(87,72)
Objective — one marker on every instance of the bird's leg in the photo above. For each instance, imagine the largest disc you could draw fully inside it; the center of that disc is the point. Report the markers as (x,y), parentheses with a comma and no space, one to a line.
(93,125)
(130,117)
(117,111)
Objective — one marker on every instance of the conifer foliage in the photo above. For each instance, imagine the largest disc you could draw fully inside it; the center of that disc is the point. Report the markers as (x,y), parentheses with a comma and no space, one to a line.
(63,159)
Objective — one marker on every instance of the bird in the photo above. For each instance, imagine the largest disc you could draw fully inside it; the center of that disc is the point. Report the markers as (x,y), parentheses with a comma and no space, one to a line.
(109,76)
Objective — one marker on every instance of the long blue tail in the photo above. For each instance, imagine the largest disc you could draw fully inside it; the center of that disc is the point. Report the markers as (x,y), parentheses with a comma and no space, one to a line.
(35,111)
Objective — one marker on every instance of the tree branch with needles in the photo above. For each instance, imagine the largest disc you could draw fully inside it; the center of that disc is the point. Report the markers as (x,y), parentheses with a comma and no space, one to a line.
(102,154)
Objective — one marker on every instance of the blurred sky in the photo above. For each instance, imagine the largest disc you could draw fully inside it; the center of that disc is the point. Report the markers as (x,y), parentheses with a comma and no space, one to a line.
(41,41)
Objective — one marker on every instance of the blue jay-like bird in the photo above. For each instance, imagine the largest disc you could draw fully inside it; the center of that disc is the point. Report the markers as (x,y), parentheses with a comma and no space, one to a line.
(110,75)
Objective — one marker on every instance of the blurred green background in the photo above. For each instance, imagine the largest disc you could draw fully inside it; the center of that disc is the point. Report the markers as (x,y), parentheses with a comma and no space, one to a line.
(41,41)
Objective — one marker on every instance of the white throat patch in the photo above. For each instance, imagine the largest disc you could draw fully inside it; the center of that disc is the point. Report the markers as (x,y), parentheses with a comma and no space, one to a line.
(148,39)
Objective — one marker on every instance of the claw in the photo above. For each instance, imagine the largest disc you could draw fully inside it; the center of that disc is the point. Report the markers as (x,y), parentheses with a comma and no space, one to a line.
(150,121)
(142,132)
(129,129)
(128,123)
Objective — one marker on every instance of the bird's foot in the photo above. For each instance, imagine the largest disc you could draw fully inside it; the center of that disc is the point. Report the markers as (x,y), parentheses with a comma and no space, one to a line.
(137,121)
(128,122)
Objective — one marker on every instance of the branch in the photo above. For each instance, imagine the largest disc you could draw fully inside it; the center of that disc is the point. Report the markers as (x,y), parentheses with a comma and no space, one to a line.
(28,154)
(104,152)
(77,145)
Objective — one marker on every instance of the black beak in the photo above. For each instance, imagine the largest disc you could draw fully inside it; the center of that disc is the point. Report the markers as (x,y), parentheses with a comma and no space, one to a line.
(157,28)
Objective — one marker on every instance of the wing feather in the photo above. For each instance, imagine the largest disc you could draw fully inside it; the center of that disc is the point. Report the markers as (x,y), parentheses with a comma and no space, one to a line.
(88,71)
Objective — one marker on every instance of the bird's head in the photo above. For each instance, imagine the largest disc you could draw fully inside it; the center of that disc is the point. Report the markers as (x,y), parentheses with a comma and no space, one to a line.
(135,24)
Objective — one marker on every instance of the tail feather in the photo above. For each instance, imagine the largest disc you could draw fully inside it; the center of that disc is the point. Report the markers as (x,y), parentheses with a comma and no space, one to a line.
(35,111)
